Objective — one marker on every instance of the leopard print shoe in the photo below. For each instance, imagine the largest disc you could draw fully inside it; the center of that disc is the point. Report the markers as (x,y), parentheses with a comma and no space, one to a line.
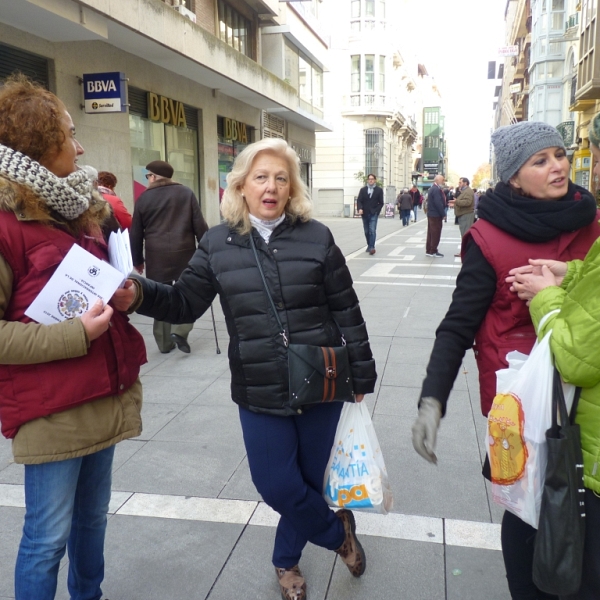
(351,551)
(291,582)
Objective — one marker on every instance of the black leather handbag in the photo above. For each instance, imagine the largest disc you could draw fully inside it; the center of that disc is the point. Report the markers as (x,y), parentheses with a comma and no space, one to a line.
(316,373)
(558,552)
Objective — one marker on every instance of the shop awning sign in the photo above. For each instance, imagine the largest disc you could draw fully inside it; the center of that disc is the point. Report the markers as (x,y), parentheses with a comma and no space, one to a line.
(104,92)
(508,51)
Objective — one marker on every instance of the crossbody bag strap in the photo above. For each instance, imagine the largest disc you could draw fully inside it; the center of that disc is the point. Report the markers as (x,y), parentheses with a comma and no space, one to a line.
(264,280)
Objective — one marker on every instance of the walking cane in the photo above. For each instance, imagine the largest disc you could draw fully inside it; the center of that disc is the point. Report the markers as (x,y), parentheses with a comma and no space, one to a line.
(212,313)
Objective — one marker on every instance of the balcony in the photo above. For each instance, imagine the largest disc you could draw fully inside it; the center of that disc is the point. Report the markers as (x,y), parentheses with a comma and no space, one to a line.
(368,103)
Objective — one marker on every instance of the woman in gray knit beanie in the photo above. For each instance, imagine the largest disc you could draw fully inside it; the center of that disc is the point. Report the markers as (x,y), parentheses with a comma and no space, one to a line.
(533,211)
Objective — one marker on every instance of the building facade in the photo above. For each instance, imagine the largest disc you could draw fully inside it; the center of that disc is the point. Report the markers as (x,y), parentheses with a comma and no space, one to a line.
(371,103)
(202,79)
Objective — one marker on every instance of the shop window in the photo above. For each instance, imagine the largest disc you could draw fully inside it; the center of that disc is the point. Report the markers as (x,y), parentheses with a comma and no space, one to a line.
(230,144)
(382,74)
(235,29)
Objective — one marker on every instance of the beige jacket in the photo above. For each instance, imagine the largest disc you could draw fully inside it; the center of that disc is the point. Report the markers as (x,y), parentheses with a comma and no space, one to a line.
(84,429)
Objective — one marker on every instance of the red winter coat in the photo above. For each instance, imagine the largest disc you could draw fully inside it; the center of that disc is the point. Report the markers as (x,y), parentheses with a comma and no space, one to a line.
(110,367)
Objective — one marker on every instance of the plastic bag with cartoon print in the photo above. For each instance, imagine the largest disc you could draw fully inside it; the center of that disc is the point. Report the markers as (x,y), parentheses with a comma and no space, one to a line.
(356,477)
(516,430)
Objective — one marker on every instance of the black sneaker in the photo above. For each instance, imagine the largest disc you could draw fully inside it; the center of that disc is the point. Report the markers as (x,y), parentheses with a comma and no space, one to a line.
(438,255)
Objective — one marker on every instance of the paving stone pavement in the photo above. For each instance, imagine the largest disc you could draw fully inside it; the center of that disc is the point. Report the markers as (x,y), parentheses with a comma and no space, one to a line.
(186,521)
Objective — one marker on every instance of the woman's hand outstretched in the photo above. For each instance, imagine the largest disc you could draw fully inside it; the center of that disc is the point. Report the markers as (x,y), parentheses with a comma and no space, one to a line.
(95,321)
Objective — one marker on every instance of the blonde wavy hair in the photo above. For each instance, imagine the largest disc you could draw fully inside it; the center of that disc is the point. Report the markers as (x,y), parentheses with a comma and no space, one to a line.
(233,206)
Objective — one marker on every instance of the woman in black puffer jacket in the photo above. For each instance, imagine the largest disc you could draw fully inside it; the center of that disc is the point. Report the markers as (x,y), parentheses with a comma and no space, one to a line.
(307,276)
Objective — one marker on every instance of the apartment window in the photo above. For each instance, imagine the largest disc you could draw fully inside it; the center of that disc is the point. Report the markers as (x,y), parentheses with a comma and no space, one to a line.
(373,153)
(370,8)
(555,47)
(431,118)
(305,80)
(558,21)
(355,77)
(554,69)
(558,4)
(291,65)
(381,9)
(382,74)
(235,29)
(355,9)
(369,72)
(317,87)
(543,6)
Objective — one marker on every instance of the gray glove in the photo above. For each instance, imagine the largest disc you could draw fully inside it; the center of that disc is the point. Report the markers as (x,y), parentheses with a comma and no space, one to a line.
(425,428)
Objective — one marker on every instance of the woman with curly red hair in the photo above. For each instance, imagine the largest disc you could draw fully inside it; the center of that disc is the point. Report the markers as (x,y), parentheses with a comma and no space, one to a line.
(68,391)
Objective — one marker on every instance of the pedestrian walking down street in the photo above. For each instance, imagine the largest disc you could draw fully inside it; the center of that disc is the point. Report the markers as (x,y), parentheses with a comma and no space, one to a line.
(312,291)
(567,293)
(436,211)
(417,200)
(369,204)
(534,211)
(404,202)
(70,391)
(167,224)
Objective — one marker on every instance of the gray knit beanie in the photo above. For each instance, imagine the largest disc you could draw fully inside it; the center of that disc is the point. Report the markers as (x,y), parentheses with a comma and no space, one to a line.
(515,144)
(594,131)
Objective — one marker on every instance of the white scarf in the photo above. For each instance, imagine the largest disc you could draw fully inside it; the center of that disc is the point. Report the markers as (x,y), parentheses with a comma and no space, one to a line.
(265,228)
(69,196)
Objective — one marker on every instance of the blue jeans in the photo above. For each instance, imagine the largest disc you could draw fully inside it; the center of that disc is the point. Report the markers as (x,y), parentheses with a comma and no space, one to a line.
(405,214)
(287,458)
(415,210)
(370,226)
(66,504)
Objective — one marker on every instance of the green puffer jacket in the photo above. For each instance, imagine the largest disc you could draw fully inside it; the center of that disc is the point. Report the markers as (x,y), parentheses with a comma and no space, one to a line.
(575,344)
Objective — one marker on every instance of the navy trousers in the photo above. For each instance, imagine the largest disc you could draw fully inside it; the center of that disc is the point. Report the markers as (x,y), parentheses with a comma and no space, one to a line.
(287,458)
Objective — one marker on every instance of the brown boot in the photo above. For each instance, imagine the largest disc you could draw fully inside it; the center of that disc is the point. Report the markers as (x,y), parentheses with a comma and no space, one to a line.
(291,582)
(351,552)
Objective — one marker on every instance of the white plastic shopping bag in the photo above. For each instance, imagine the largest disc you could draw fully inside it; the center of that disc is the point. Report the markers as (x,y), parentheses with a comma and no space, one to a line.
(356,477)
(516,430)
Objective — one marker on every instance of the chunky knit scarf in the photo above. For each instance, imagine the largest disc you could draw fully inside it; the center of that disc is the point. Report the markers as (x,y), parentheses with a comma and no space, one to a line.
(69,196)
(537,220)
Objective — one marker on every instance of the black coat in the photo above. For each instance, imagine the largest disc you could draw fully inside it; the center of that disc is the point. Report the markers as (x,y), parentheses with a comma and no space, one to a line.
(167,222)
(370,205)
(311,287)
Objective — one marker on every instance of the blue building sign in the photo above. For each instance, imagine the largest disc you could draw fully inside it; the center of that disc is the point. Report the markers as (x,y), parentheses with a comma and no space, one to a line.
(104,92)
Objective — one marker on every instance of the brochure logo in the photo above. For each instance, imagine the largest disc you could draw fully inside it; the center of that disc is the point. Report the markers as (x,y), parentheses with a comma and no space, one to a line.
(73,304)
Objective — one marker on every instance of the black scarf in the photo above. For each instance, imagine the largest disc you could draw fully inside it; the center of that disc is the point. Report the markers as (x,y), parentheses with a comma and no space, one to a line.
(534,220)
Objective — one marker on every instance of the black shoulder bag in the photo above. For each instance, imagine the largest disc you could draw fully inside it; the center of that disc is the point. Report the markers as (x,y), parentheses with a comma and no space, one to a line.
(316,373)
(558,553)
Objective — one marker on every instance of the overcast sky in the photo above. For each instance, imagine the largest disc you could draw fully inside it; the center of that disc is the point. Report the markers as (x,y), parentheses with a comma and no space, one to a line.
(455,41)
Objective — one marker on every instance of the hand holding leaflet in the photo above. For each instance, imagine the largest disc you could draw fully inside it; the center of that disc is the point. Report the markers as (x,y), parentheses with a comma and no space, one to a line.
(78,282)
